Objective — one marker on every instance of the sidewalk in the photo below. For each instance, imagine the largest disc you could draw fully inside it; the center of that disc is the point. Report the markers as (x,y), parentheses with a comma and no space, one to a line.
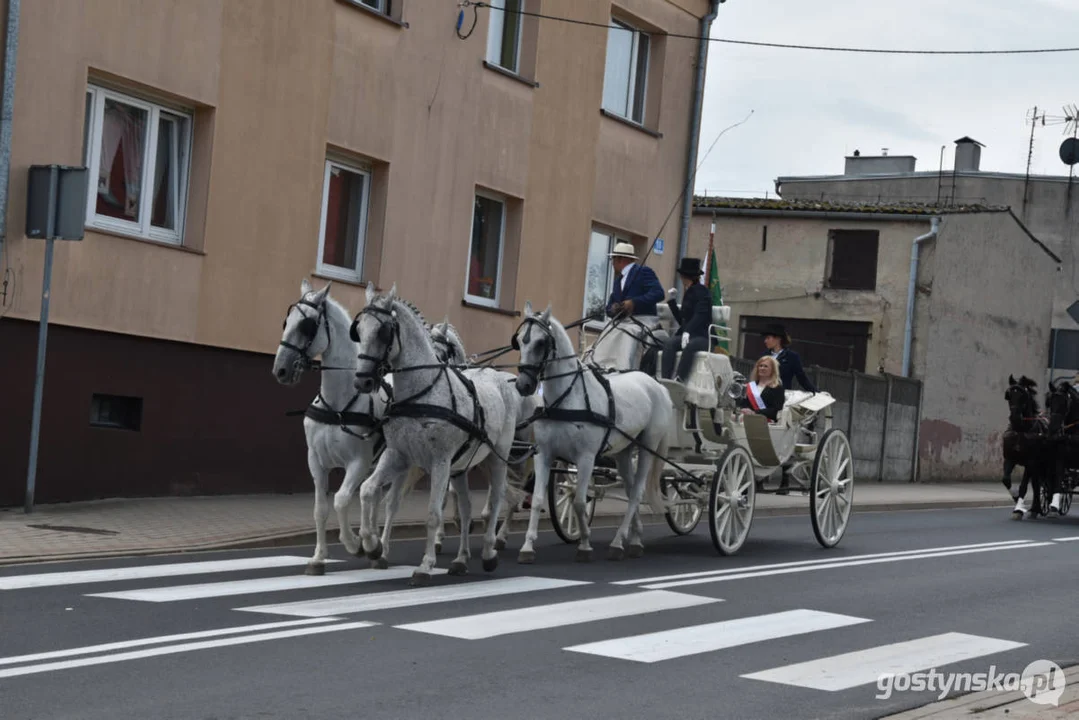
(997,705)
(145,526)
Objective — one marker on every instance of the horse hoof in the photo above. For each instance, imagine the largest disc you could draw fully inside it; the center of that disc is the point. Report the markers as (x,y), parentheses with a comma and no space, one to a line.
(526,557)
(420,578)
(615,553)
(315,569)
(376,553)
(358,552)
(500,544)
(381,564)
(583,556)
(458,568)
(635,551)
(438,548)
(490,564)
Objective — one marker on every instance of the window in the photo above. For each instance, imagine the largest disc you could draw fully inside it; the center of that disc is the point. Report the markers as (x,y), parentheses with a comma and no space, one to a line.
(504,34)
(382,6)
(485,255)
(852,259)
(599,275)
(346,193)
(626,75)
(116,412)
(140,155)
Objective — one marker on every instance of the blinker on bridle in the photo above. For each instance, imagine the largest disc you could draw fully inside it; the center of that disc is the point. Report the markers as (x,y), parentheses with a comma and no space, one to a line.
(307,328)
(387,331)
(533,369)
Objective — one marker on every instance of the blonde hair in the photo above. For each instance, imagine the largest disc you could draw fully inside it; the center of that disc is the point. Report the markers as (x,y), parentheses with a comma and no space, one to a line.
(775,381)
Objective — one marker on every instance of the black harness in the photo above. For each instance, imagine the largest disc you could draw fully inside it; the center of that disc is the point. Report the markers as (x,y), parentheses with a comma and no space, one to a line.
(553,410)
(388,332)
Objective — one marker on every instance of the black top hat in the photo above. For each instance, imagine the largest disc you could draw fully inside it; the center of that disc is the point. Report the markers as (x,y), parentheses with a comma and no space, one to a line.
(776,330)
(690,267)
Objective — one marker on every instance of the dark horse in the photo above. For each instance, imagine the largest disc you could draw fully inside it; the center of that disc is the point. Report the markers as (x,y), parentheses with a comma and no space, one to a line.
(1063,406)
(1024,443)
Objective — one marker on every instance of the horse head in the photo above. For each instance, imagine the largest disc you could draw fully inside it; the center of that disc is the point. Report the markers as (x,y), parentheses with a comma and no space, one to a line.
(1022,403)
(448,345)
(1063,406)
(535,342)
(377,331)
(301,339)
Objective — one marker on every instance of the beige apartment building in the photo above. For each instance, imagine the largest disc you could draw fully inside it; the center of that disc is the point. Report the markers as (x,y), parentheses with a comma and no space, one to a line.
(476,157)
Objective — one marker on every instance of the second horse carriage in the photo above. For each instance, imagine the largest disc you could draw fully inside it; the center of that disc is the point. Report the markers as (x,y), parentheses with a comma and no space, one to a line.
(717,459)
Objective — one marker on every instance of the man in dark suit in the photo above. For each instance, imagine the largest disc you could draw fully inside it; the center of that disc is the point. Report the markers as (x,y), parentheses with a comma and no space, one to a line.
(790,364)
(636,289)
(693,319)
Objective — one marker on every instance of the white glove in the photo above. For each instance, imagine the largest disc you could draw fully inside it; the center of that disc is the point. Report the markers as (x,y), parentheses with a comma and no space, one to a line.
(685,340)
(672,294)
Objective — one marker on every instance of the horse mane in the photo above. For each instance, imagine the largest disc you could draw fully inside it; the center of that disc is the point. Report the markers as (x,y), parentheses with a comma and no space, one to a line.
(415,311)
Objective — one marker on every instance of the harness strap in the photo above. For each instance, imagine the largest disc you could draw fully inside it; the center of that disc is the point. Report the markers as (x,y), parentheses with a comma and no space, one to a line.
(437,412)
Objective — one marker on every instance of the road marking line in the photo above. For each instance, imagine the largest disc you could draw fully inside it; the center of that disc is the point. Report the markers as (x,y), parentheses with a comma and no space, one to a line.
(173,649)
(142,572)
(260,585)
(123,644)
(542,617)
(830,566)
(842,672)
(698,639)
(823,561)
(1073,538)
(410,598)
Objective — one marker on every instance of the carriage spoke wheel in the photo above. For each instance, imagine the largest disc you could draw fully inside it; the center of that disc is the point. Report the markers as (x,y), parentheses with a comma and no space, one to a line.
(561,490)
(731,500)
(681,517)
(832,488)
(1065,502)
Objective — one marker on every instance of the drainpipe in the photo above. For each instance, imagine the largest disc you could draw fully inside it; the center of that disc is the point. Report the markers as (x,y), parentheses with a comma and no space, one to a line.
(908,334)
(695,131)
(7,103)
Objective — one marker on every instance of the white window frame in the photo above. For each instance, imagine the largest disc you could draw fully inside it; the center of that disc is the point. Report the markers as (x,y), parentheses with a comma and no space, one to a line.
(635,49)
(379,6)
(496,30)
(612,239)
(181,160)
(474,299)
(335,271)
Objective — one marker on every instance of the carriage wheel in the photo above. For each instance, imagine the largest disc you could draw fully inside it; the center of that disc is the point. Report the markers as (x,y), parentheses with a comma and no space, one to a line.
(832,488)
(1044,498)
(734,492)
(561,489)
(682,518)
(1065,502)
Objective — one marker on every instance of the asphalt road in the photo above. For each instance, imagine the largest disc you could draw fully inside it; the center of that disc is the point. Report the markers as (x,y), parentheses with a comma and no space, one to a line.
(159,638)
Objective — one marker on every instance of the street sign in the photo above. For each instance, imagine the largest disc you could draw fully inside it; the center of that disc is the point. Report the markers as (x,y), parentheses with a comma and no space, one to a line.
(658,249)
(55,210)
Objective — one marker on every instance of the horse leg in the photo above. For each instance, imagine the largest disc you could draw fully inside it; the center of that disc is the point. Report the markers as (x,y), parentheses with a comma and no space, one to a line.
(459,483)
(317,564)
(440,479)
(527,555)
(392,468)
(393,504)
(585,465)
(496,495)
(342,500)
(624,460)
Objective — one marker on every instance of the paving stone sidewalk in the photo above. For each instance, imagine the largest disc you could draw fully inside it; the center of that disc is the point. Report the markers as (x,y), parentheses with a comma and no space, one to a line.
(142,526)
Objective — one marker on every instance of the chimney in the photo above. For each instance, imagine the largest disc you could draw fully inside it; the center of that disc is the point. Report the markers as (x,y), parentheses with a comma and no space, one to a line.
(968,154)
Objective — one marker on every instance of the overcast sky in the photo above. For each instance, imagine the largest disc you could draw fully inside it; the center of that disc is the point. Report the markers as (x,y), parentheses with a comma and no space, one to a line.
(813,108)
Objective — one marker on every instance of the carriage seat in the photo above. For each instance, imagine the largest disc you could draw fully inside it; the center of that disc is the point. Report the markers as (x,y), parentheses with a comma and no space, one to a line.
(721,315)
(711,375)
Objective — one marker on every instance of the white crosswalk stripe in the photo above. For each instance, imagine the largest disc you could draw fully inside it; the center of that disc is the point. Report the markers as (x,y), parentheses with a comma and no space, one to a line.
(698,624)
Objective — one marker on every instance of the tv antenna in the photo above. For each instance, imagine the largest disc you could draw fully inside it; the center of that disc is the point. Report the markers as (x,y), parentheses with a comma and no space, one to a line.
(1069,119)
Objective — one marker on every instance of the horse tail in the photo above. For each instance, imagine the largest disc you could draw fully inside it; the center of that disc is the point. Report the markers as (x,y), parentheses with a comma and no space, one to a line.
(653,494)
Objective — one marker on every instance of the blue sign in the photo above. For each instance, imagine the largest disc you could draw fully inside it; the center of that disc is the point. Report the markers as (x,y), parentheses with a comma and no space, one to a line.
(658,249)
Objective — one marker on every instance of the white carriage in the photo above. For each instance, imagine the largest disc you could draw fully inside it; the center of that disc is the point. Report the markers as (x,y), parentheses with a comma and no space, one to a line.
(719,458)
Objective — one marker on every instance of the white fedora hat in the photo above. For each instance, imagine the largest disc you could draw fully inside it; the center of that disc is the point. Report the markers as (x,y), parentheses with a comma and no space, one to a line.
(624,249)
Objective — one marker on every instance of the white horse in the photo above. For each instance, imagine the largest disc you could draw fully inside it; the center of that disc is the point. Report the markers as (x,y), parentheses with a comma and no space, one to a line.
(622,341)
(317,325)
(578,424)
(442,420)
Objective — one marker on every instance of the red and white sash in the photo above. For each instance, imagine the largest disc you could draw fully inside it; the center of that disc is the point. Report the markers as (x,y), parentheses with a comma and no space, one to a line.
(754,396)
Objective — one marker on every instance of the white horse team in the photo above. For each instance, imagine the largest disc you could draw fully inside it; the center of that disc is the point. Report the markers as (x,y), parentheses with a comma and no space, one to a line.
(396,395)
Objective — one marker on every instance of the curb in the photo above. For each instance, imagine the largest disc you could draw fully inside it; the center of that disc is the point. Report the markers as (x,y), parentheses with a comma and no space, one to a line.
(417,530)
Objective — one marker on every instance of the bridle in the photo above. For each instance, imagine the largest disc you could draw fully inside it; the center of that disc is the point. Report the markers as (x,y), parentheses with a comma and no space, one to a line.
(388,331)
(1070,398)
(308,330)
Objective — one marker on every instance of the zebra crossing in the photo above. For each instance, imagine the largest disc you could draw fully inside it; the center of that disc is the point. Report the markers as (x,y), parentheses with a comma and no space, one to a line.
(537,607)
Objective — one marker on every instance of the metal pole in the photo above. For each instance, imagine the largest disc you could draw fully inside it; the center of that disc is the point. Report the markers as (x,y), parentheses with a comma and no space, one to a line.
(7,112)
(39,379)
(853,400)
(917,432)
(884,431)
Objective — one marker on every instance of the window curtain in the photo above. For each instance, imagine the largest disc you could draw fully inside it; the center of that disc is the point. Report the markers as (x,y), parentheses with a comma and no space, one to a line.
(120,128)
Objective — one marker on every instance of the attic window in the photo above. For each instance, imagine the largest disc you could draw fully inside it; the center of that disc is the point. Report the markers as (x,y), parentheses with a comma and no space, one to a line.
(852,259)
(116,412)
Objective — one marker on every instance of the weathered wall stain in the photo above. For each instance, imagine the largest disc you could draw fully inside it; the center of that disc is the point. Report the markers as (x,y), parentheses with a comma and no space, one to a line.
(935,436)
